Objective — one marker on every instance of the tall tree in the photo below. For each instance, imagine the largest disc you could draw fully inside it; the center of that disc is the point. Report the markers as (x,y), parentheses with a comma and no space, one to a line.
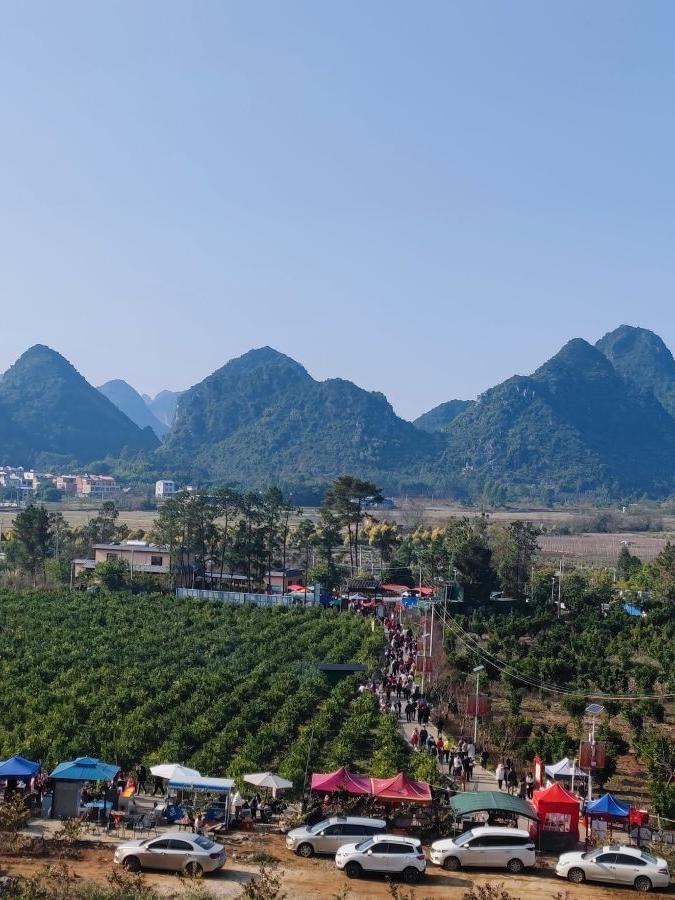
(303,539)
(346,499)
(33,535)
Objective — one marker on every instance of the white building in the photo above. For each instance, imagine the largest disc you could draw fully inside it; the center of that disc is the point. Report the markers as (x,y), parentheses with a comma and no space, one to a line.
(164,489)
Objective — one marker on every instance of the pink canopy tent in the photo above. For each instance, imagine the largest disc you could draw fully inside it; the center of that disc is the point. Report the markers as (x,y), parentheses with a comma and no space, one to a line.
(340,780)
(400,788)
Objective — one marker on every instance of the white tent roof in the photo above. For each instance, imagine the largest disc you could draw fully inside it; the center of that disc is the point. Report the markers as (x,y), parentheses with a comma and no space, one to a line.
(564,769)
(173,770)
(268,780)
(203,783)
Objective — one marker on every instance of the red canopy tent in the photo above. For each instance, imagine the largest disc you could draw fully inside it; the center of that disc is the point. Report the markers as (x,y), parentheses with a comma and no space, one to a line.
(401,789)
(340,780)
(558,812)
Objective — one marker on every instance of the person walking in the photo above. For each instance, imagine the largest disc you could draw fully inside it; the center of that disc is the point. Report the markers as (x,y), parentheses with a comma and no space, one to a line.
(484,758)
(499,774)
(415,739)
(141,775)
(512,781)
(424,734)
(529,785)
(157,785)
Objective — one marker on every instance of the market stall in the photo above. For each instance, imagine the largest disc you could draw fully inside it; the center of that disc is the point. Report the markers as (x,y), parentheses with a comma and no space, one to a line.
(401,789)
(340,780)
(69,779)
(558,813)
(608,811)
(220,789)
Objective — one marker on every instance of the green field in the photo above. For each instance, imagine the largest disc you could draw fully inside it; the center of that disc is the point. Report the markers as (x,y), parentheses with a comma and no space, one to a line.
(225,689)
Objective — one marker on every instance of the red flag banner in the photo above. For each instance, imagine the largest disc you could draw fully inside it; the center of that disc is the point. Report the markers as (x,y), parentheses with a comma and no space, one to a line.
(480,702)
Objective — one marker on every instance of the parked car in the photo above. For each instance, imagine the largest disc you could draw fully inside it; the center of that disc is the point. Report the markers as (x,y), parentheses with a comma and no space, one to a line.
(618,864)
(173,851)
(387,853)
(329,835)
(486,847)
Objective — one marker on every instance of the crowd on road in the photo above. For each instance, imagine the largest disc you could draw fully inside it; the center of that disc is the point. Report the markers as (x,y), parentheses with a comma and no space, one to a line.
(402,696)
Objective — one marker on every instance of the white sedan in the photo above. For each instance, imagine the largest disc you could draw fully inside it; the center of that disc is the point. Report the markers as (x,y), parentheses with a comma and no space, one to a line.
(618,864)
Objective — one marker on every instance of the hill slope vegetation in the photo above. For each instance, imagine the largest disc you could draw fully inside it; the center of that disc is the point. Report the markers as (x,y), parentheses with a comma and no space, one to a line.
(48,410)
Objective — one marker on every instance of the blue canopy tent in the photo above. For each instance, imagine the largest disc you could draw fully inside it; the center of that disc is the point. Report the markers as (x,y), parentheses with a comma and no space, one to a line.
(85,768)
(18,767)
(69,777)
(607,809)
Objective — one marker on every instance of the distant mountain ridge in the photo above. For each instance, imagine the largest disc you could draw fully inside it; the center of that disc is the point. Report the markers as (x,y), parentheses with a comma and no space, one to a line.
(262,418)
(574,427)
(164,406)
(132,404)
(48,410)
(643,360)
(591,422)
(440,417)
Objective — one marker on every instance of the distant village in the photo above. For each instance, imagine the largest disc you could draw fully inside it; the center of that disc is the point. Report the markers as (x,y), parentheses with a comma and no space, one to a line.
(21,485)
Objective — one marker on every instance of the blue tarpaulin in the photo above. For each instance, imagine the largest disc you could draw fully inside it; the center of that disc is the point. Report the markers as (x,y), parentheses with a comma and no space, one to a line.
(632,610)
(85,768)
(607,806)
(18,767)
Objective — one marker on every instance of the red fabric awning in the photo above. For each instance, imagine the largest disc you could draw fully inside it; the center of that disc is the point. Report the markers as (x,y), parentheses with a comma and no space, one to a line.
(400,788)
(558,809)
(297,587)
(395,588)
(340,780)
(425,591)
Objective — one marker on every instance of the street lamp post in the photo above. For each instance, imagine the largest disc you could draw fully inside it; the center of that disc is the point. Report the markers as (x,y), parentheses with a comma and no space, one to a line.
(477,670)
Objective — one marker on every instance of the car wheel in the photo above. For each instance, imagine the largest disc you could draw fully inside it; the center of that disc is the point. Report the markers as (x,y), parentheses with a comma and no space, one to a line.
(194,870)
(305,850)
(411,875)
(353,870)
(451,863)
(132,864)
(576,876)
(515,866)
(643,884)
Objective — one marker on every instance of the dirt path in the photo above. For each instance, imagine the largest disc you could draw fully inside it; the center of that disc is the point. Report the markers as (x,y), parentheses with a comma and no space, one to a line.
(318,878)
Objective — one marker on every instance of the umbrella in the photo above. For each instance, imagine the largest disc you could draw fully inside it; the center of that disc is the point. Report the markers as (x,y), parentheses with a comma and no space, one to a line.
(174,772)
(268,780)
(85,768)
(296,587)
(18,767)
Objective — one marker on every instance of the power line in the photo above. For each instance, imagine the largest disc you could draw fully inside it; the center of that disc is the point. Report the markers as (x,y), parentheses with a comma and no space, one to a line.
(505,667)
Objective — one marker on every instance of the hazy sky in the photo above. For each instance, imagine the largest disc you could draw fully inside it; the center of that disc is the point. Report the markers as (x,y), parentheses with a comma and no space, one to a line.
(422,197)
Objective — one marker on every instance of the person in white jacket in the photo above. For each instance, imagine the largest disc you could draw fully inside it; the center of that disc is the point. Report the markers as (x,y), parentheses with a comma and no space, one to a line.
(499,775)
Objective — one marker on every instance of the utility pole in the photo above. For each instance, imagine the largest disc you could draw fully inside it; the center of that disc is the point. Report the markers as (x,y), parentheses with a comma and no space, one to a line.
(477,670)
(560,581)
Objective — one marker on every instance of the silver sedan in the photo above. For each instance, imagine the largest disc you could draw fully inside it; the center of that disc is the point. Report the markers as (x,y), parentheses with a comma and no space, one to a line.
(173,851)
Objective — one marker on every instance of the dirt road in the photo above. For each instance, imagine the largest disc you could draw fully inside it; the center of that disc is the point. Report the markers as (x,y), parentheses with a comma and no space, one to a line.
(318,878)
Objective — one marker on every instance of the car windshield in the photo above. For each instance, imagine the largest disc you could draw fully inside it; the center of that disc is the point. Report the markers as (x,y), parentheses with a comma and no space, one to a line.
(649,858)
(204,843)
(364,845)
(313,829)
(462,838)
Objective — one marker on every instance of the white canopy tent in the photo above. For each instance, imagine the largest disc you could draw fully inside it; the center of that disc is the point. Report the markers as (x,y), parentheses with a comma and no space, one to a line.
(173,770)
(203,784)
(564,769)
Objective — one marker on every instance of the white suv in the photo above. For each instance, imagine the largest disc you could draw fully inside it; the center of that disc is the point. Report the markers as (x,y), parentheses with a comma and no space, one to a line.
(386,853)
(487,846)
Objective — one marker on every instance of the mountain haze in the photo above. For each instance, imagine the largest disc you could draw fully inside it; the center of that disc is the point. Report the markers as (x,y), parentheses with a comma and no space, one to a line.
(164,406)
(48,409)
(130,402)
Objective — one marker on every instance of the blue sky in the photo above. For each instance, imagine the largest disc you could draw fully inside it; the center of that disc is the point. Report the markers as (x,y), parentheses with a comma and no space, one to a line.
(424,198)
